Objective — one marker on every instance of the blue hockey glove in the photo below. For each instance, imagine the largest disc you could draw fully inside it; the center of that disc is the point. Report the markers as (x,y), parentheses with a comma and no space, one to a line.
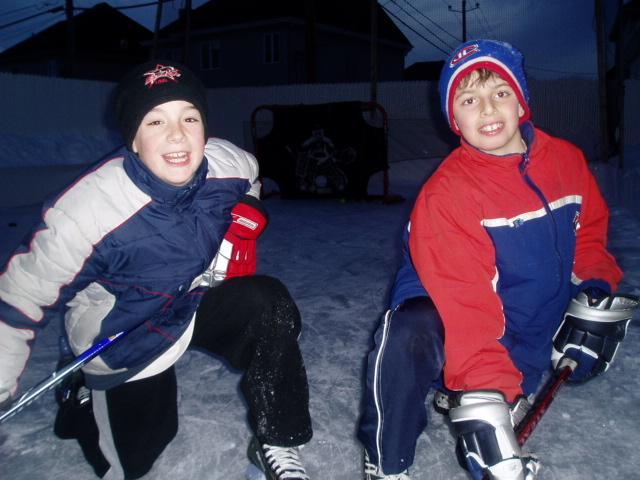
(484,423)
(594,325)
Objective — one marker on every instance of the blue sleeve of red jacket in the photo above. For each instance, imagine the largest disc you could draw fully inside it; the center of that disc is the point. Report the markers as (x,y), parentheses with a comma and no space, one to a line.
(594,265)
(406,283)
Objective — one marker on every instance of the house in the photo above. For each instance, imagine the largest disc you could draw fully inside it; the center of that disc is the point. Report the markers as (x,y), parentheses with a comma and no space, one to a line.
(625,35)
(107,44)
(424,70)
(257,42)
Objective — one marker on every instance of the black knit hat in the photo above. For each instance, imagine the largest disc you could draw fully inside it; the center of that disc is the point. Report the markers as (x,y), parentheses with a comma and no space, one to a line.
(151,84)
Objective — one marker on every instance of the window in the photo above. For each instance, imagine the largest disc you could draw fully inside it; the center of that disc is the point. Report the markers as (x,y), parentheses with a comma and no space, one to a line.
(210,55)
(271,48)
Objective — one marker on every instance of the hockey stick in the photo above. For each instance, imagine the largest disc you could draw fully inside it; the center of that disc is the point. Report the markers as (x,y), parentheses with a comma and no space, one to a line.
(549,391)
(530,422)
(59,375)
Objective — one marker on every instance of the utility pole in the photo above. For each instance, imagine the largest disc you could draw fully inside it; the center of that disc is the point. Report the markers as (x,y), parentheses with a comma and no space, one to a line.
(187,31)
(602,80)
(156,29)
(374,51)
(71,40)
(310,41)
(464,17)
(620,87)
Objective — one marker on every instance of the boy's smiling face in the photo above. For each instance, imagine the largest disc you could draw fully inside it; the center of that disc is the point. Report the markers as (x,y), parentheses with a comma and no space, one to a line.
(170,141)
(488,115)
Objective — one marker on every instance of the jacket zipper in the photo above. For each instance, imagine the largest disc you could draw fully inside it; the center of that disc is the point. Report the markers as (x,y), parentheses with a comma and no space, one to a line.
(554,226)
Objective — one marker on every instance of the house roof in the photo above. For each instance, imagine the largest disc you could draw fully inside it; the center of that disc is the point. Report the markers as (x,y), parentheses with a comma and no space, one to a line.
(351,15)
(99,30)
(424,70)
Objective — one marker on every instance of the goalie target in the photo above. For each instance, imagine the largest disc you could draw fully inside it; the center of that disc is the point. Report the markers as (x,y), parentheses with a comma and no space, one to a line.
(323,150)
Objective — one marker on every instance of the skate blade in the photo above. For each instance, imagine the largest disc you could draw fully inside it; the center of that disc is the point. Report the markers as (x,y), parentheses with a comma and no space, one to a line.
(254,473)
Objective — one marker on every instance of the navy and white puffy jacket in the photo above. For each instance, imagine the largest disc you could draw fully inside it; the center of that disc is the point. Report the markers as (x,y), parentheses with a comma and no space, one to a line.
(119,250)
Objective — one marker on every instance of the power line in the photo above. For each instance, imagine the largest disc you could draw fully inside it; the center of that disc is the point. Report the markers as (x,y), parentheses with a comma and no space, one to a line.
(24,30)
(485,23)
(10,12)
(58,9)
(588,74)
(414,30)
(421,24)
(464,17)
(128,7)
(432,21)
(16,22)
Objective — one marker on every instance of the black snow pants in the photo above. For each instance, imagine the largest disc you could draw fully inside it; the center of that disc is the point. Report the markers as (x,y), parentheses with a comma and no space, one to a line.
(254,324)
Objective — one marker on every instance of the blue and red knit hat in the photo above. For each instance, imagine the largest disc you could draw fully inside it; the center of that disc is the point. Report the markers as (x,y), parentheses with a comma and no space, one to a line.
(499,57)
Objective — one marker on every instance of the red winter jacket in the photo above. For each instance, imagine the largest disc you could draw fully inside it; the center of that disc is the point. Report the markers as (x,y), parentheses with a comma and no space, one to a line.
(501,244)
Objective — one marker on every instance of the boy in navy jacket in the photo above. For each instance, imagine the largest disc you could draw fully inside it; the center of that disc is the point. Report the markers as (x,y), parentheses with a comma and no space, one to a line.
(136,245)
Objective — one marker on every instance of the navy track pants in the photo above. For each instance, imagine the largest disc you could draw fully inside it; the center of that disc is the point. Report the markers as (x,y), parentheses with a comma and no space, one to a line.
(406,362)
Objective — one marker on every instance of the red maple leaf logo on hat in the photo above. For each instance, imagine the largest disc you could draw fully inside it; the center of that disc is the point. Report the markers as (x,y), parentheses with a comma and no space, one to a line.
(161,74)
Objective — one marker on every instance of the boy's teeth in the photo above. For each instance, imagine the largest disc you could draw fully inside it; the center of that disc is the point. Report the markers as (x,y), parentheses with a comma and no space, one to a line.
(491,128)
(177,156)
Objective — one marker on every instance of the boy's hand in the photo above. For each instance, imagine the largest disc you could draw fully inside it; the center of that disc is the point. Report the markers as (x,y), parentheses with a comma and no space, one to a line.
(519,410)
(249,221)
(6,399)
(484,421)
(591,332)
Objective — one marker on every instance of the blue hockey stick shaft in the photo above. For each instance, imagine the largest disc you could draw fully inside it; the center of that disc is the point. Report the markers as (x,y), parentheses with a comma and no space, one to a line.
(56,377)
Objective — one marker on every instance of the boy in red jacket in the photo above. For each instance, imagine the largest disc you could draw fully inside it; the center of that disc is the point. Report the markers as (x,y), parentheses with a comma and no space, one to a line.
(509,229)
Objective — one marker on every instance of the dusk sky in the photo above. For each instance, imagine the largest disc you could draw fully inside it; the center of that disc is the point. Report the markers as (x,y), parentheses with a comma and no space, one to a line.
(557,36)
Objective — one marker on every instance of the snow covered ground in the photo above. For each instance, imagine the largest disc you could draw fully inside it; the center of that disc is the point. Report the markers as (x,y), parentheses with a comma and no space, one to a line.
(338,260)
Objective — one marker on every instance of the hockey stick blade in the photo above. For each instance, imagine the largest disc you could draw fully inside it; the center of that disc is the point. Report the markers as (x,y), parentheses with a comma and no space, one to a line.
(56,377)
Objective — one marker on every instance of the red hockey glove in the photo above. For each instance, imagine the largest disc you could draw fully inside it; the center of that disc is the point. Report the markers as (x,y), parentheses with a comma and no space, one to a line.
(249,221)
